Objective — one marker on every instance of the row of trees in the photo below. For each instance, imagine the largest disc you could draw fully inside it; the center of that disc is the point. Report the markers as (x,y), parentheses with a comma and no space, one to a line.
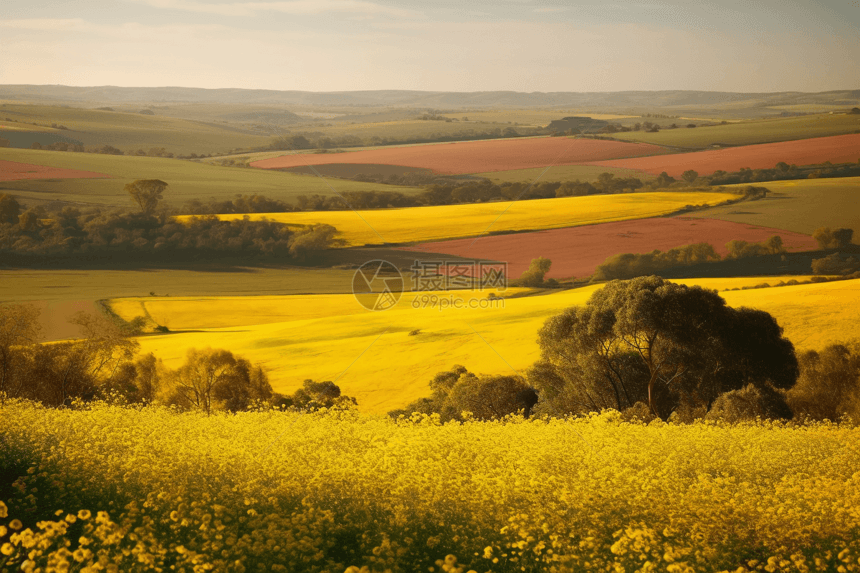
(651,348)
(104,363)
(481,191)
(630,265)
(783,171)
(38,233)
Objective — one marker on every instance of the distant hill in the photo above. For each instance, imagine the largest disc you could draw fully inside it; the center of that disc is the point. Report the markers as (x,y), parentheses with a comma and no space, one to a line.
(424,99)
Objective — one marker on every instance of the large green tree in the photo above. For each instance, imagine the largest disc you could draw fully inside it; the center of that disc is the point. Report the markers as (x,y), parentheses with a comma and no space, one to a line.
(664,343)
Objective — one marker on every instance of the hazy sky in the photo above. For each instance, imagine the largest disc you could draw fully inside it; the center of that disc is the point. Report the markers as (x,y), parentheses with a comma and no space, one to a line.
(447,45)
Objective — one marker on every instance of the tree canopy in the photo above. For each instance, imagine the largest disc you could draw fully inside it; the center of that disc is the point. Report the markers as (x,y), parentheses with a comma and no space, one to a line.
(663,343)
(147,193)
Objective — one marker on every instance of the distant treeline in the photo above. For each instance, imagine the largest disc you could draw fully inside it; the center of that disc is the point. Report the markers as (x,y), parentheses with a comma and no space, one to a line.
(319,140)
(38,233)
(631,265)
(783,172)
(482,191)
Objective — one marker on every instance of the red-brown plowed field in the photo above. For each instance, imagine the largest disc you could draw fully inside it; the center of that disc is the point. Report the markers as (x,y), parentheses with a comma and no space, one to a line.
(14,171)
(477,156)
(576,251)
(836,149)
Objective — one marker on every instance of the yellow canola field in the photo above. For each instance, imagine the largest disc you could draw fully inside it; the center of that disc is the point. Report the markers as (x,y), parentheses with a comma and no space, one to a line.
(373,357)
(271,491)
(415,224)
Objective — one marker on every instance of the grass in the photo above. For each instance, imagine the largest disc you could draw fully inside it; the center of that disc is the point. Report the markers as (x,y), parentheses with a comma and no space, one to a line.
(801,206)
(561,173)
(133,131)
(418,224)
(747,132)
(187,180)
(59,294)
(372,356)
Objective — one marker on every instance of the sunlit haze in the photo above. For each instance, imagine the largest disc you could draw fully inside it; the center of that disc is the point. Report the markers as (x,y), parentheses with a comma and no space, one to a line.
(523,45)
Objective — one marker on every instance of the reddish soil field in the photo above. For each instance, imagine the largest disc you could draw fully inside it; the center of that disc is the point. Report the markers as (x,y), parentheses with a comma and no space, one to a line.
(836,149)
(14,171)
(477,156)
(577,251)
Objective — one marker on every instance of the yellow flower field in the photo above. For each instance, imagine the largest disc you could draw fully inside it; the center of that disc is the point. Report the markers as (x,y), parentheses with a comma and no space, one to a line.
(149,489)
(373,357)
(416,224)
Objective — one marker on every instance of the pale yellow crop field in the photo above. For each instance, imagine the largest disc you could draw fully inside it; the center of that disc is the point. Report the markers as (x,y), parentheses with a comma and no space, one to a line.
(372,356)
(416,224)
(813,315)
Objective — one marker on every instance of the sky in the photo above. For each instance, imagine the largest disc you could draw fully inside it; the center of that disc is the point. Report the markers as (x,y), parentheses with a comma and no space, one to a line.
(446,45)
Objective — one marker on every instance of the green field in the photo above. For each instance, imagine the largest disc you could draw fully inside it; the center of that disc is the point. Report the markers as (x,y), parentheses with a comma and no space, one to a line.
(747,132)
(61,293)
(801,206)
(187,180)
(133,131)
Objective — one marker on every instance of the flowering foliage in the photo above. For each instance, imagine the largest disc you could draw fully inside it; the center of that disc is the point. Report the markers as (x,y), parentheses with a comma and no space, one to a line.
(109,488)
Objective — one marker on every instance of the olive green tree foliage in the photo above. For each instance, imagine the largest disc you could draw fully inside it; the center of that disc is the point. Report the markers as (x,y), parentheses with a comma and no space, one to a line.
(742,249)
(215,379)
(103,363)
(630,265)
(316,395)
(534,276)
(57,373)
(19,331)
(829,383)
(833,238)
(457,394)
(748,404)
(146,193)
(10,209)
(663,343)
(690,175)
(834,264)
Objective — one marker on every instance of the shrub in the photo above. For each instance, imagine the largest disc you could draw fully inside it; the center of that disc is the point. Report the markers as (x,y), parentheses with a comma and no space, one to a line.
(833,239)
(748,404)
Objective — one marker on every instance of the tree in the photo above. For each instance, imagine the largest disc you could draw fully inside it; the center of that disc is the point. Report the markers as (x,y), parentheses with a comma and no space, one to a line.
(486,397)
(209,380)
(741,249)
(10,209)
(829,383)
(247,384)
(664,180)
(834,264)
(833,239)
(491,397)
(194,382)
(667,343)
(146,193)
(19,330)
(690,175)
(315,395)
(748,404)
(783,166)
(534,276)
